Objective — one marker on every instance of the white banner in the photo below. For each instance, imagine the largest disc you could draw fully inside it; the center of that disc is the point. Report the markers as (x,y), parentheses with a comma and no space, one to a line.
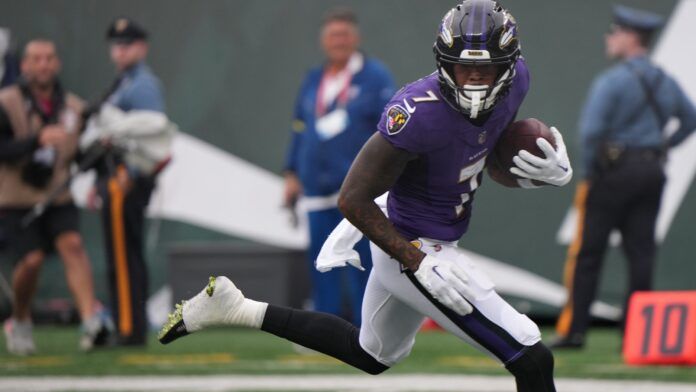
(208,187)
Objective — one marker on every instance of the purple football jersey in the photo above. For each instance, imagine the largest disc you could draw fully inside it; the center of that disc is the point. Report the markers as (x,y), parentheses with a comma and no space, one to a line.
(433,196)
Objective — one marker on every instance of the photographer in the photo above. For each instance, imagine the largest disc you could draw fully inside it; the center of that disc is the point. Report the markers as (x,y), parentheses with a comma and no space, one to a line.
(39,126)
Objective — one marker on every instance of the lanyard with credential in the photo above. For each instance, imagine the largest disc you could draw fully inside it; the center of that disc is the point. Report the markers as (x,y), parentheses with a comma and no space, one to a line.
(342,99)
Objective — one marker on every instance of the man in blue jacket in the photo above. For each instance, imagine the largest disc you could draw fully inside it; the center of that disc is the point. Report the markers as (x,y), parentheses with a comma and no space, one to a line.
(337,109)
(624,149)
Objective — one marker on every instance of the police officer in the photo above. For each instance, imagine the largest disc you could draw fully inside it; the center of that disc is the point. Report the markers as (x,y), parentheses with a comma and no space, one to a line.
(39,125)
(624,150)
(337,110)
(134,105)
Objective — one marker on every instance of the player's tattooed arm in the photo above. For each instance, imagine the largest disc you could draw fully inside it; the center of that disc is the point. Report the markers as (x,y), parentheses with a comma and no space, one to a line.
(374,171)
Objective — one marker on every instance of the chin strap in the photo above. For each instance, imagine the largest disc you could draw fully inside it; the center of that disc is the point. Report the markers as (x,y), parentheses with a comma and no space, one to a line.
(475,97)
(476,104)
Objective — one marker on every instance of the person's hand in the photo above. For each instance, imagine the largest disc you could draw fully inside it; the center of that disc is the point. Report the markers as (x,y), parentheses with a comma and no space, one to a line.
(293,189)
(555,169)
(52,135)
(447,282)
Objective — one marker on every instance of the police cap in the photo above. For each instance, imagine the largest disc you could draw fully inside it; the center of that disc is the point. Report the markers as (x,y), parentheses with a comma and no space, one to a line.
(125,30)
(636,19)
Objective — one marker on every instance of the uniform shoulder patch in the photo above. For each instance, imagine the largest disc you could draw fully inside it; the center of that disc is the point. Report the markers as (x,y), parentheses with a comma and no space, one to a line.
(397,118)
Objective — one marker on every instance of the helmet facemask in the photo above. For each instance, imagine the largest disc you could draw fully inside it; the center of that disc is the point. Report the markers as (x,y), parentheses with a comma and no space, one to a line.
(475,100)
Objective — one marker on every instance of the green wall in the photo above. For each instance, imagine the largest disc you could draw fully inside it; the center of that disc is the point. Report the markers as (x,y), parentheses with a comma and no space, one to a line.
(231,70)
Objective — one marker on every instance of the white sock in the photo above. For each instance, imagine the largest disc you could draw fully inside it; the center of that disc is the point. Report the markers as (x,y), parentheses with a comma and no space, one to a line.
(250,314)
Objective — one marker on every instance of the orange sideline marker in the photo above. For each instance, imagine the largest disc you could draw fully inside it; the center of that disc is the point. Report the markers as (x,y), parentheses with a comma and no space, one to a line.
(661,328)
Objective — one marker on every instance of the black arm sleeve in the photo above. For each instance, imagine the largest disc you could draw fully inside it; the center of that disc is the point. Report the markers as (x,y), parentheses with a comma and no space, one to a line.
(11,149)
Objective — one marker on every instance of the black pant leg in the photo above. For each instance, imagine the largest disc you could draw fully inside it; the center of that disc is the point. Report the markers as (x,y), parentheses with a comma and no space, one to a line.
(323,332)
(638,229)
(599,221)
(598,216)
(135,205)
(123,221)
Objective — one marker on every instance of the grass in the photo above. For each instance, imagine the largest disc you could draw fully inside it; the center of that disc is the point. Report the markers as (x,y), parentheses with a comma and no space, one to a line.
(237,351)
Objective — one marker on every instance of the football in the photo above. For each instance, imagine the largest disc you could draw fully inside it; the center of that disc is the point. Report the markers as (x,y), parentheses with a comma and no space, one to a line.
(521,135)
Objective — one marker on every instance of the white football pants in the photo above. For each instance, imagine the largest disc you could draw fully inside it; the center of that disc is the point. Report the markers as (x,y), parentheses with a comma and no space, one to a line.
(395,305)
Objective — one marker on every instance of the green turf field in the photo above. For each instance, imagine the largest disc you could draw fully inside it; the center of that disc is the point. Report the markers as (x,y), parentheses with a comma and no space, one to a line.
(237,351)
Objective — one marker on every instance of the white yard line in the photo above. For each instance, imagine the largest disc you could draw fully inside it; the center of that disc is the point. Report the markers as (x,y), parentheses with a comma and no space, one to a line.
(343,383)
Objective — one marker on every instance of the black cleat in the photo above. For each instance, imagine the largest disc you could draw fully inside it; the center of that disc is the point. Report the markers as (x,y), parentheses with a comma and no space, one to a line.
(175,327)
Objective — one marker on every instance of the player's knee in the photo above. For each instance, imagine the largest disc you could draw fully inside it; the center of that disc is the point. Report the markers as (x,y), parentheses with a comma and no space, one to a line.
(32,260)
(536,361)
(70,246)
(363,359)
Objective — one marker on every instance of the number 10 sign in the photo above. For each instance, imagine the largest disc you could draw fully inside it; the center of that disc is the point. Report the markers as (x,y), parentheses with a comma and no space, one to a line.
(661,328)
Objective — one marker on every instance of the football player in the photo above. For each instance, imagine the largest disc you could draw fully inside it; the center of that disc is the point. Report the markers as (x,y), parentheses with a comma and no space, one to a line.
(432,146)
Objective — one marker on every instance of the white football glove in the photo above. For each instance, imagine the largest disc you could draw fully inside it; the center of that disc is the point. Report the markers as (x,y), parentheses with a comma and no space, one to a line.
(555,169)
(446,282)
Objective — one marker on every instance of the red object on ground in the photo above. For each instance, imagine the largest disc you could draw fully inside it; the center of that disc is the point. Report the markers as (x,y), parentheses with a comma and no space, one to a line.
(661,328)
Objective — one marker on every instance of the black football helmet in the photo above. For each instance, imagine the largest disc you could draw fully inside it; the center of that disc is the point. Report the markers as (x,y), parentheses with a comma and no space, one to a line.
(476,32)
